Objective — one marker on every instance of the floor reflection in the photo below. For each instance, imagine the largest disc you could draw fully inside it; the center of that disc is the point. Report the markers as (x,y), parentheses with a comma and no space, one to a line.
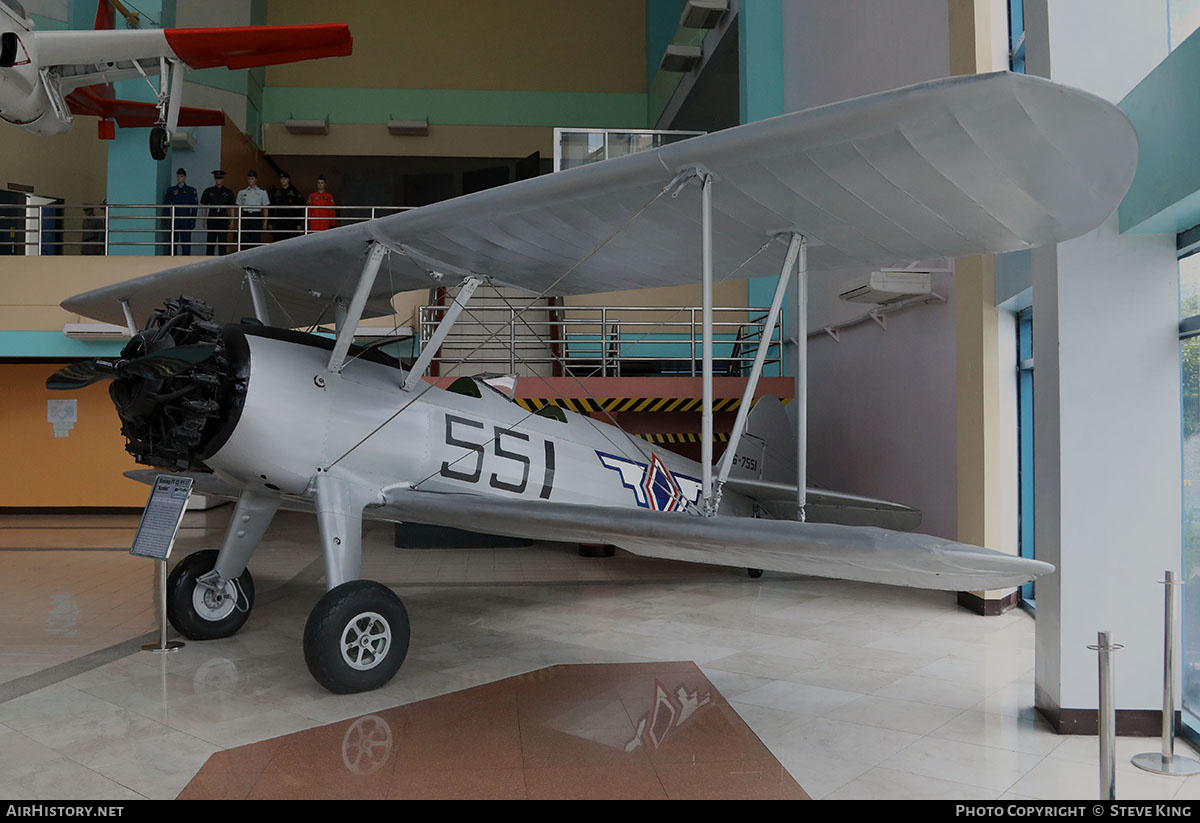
(576,731)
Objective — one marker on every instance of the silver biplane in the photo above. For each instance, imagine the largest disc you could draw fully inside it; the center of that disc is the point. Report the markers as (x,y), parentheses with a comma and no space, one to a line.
(277,418)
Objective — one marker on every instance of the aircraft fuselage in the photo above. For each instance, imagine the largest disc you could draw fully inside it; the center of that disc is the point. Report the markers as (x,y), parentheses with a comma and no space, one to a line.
(297,419)
(23,98)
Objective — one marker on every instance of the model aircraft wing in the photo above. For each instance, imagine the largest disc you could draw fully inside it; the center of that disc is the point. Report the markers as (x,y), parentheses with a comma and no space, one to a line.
(84,58)
(860,553)
(130,114)
(965,165)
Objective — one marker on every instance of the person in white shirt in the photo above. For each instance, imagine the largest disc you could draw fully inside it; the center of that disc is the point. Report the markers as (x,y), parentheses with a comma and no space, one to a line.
(254,202)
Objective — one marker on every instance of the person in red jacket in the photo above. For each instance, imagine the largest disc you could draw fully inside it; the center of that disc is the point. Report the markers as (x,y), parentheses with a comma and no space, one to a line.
(321,214)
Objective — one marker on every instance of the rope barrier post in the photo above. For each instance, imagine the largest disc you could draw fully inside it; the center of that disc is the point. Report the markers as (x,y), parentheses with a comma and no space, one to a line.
(1107,716)
(1167,762)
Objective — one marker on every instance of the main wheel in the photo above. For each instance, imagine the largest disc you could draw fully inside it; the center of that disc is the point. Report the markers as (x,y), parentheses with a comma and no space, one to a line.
(159,142)
(356,637)
(755,573)
(199,612)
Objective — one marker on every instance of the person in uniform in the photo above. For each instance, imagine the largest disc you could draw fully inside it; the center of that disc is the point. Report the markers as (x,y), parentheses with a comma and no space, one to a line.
(182,220)
(253,211)
(216,216)
(321,212)
(286,201)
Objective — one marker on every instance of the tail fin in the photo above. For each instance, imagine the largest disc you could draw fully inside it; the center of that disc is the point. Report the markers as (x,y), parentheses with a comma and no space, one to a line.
(106,17)
(765,469)
(768,447)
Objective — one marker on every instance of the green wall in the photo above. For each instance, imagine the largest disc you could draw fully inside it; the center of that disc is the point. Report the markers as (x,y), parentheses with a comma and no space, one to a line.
(1165,111)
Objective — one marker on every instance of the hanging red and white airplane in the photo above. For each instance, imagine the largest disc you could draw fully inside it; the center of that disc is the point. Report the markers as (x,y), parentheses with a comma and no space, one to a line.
(47,77)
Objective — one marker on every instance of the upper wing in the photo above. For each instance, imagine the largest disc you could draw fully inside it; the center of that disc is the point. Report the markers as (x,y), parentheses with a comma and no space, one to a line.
(861,553)
(965,165)
(84,58)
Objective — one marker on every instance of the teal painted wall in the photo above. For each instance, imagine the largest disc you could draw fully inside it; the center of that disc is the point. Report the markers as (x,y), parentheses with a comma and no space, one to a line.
(760,59)
(1165,110)
(133,175)
(760,77)
(662,19)
(54,345)
(456,107)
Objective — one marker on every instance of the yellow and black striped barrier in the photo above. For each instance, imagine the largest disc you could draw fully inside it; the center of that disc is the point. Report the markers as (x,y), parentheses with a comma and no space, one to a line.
(686,437)
(632,404)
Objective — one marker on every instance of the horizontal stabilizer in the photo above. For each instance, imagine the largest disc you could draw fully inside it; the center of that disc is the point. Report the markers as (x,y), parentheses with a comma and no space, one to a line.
(824,506)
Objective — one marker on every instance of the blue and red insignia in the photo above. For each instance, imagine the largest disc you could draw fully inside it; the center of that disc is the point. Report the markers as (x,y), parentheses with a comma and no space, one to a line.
(654,486)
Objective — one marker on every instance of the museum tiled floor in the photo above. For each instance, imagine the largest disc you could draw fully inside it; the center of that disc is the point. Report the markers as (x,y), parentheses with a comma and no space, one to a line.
(858,691)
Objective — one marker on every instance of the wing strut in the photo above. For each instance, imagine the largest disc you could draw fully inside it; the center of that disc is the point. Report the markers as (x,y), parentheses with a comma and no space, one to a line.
(706,417)
(337,359)
(257,295)
(802,380)
(129,321)
(435,341)
(795,248)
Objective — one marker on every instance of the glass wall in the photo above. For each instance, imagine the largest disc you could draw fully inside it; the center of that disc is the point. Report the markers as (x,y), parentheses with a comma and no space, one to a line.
(578,147)
(1189,344)
(1025,444)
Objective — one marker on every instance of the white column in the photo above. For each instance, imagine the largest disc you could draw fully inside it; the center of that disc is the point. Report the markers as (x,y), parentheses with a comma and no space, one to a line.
(1106,398)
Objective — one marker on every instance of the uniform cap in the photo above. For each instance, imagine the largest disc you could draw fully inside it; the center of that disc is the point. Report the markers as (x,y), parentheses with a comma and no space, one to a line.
(218,173)
(252,173)
(181,170)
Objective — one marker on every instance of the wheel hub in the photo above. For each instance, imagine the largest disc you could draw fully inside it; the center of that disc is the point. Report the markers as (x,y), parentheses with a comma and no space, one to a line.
(213,603)
(366,641)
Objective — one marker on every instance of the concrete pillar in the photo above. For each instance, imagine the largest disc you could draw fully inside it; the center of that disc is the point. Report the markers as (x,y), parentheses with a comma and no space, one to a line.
(984,339)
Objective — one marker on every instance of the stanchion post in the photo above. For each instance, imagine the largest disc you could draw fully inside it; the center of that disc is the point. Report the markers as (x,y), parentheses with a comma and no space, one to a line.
(163,645)
(1108,717)
(1167,762)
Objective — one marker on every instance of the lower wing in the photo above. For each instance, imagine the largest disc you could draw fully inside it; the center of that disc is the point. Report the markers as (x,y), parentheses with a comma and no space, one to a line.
(132,114)
(861,553)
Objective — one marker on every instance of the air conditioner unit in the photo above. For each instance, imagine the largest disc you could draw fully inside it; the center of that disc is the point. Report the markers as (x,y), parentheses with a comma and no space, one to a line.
(888,286)
(95,331)
(703,14)
(408,128)
(307,126)
(679,57)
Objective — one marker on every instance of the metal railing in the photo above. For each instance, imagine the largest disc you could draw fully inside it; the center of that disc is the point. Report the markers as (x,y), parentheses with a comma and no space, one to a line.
(602,341)
(68,229)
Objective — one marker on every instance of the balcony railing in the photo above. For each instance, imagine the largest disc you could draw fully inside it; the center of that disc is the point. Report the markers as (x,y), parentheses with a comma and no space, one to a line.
(603,341)
(56,229)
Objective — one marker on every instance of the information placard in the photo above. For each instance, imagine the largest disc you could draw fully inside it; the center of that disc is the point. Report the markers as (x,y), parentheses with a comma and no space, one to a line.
(160,521)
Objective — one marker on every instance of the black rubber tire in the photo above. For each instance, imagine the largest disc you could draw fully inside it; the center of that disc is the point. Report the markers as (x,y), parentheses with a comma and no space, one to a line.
(332,617)
(181,611)
(159,142)
(755,573)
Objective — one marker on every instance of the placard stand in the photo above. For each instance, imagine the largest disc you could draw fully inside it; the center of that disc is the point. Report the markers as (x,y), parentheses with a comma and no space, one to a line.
(163,645)
(155,538)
